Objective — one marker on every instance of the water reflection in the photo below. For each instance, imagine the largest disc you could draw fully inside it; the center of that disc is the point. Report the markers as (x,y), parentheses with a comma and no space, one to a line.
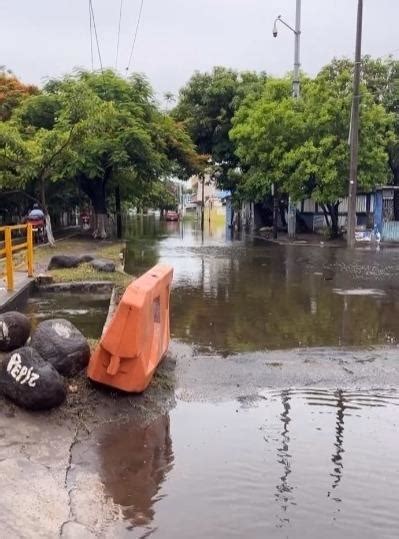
(135,461)
(247,295)
(229,468)
(283,489)
(88,316)
(337,457)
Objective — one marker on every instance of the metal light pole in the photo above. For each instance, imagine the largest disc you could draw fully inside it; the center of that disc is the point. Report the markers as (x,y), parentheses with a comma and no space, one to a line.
(354,134)
(296,90)
(297,54)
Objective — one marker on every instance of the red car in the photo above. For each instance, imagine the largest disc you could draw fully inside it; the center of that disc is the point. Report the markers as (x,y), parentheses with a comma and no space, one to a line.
(172,215)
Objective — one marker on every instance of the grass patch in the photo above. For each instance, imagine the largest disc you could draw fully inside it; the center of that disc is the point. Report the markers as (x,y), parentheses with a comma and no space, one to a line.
(77,247)
(85,272)
(111,252)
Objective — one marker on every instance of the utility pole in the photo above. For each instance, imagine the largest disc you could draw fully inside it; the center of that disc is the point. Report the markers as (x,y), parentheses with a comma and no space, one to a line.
(296,91)
(276,203)
(297,61)
(297,52)
(202,203)
(354,134)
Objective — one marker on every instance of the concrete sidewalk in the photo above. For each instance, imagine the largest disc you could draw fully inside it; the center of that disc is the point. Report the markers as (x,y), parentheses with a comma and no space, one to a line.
(10,300)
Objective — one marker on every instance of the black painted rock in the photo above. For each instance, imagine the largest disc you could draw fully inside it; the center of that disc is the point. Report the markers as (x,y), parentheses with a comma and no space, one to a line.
(60,343)
(103,265)
(31,382)
(14,330)
(63,261)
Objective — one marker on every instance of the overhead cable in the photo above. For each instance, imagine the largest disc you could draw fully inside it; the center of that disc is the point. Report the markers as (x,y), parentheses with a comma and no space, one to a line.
(91,38)
(95,33)
(135,37)
(119,34)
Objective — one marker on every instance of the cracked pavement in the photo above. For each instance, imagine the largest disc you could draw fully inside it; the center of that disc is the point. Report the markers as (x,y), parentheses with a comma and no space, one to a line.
(49,466)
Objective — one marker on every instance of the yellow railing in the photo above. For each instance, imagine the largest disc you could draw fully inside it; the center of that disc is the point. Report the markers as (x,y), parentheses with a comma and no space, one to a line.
(10,248)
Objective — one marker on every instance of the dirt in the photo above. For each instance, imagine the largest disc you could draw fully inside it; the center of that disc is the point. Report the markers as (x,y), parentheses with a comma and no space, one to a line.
(89,404)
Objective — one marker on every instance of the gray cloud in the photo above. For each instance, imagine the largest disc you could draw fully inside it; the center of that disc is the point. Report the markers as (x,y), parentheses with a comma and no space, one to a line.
(48,38)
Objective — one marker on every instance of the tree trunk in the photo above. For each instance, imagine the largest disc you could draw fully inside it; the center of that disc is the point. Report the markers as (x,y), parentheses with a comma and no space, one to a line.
(96,191)
(49,228)
(100,230)
(118,212)
(49,231)
(333,212)
(326,217)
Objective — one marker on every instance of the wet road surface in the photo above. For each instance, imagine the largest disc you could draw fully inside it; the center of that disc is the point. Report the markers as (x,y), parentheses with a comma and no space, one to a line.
(292,463)
(250,295)
(282,419)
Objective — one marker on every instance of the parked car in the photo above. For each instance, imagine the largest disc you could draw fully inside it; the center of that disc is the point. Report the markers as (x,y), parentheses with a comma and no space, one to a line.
(172,215)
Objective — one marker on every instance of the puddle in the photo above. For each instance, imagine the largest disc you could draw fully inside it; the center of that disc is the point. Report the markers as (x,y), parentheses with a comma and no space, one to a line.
(296,463)
(88,315)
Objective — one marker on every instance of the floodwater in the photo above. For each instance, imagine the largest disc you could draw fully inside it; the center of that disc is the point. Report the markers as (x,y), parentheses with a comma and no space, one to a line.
(293,463)
(297,462)
(250,295)
(88,315)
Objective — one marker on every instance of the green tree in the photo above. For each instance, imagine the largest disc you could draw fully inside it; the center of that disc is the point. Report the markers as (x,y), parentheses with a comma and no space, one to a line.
(302,145)
(97,129)
(33,153)
(381,78)
(206,105)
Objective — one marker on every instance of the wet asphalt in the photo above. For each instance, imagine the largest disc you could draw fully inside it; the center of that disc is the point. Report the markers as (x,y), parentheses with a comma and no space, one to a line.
(274,414)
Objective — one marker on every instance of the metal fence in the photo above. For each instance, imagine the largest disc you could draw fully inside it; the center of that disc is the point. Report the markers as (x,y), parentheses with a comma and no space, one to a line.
(11,245)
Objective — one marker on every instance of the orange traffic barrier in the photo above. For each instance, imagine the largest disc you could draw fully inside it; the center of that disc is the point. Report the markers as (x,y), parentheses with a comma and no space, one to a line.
(138,335)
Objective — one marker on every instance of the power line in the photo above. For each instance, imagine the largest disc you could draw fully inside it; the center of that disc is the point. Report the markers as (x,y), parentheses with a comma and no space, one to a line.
(95,33)
(135,36)
(91,38)
(119,34)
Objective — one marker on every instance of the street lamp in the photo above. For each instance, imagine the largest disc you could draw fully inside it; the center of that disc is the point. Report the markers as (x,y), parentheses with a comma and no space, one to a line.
(354,132)
(296,94)
(297,33)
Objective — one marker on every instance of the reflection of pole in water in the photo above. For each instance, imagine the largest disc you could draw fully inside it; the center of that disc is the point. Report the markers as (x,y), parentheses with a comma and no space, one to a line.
(283,489)
(337,458)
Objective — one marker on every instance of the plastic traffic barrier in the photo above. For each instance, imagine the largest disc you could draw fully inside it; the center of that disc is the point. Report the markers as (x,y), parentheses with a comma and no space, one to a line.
(138,335)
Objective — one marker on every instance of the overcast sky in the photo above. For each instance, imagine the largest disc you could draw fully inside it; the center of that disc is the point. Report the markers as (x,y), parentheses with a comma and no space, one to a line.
(46,38)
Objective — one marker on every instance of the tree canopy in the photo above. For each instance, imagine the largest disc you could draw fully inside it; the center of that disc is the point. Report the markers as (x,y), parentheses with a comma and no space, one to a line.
(206,106)
(98,130)
(12,93)
(301,145)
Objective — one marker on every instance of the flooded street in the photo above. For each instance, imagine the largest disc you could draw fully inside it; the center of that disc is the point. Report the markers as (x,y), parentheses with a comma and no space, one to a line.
(293,463)
(274,415)
(314,456)
(251,295)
